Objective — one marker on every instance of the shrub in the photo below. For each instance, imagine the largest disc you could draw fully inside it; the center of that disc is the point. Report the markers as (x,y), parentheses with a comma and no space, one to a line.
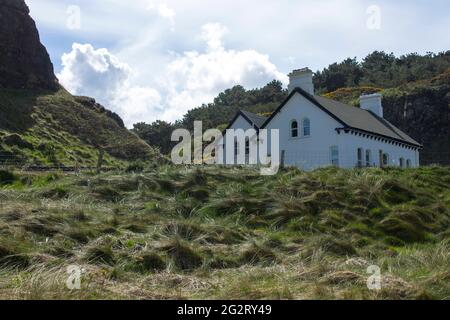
(397,193)
(149,262)
(42,228)
(7,177)
(256,254)
(183,256)
(402,230)
(199,193)
(184,230)
(337,246)
(100,255)
(80,235)
(11,259)
(136,166)
(106,193)
(55,193)
(136,228)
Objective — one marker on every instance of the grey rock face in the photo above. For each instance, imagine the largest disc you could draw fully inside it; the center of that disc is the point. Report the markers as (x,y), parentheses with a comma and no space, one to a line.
(24,61)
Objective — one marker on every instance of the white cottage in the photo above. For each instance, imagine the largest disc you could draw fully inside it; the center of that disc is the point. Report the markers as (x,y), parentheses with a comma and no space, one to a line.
(315,131)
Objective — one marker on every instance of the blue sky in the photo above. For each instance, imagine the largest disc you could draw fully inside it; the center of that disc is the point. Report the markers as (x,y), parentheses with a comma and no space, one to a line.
(156,59)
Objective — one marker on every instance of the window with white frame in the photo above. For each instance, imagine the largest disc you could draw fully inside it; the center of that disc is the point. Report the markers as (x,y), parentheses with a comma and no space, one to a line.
(360,157)
(306,127)
(385,159)
(294,129)
(368,158)
(408,163)
(334,152)
(402,162)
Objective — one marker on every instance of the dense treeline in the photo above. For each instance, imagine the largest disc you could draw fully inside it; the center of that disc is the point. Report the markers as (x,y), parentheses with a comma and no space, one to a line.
(378,69)
(216,114)
(381,70)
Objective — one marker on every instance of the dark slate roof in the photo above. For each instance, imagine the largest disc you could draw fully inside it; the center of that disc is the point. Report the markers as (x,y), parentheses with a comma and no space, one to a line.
(365,120)
(255,119)
(352,118)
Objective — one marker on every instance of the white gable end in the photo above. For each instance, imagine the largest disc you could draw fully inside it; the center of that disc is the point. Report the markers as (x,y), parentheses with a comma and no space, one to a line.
(305,151)
(317,132)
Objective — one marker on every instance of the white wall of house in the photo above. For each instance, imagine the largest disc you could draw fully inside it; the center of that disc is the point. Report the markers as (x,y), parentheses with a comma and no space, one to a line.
(349,144)
(314,151)
(325,146)
(239,123)
(305,152)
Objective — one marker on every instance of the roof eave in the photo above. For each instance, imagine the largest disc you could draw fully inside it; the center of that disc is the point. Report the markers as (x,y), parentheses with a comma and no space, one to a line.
(418,145)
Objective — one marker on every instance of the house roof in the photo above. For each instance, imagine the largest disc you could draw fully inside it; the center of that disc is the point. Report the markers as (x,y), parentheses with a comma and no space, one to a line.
(351,118)
(255,119)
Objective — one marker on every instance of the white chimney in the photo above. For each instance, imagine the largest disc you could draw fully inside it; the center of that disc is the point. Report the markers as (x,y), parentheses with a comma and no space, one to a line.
(301,78)
(372,102)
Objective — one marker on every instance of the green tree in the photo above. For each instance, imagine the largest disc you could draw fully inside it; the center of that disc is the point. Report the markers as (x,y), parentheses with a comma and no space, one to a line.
(157,134)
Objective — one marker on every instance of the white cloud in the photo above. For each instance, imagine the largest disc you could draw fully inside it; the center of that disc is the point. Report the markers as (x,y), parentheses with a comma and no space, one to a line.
(99,74)
(195,78)
(167,58)
(95,71)
(190,79)
(163,10)
(213,33)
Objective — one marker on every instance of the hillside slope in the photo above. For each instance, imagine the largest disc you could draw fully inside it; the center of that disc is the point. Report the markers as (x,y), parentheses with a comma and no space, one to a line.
(227,233)
(420,108)
(40,122)
(56,128)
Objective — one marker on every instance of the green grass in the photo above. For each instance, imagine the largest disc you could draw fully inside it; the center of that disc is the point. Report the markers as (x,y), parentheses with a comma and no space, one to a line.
(197,233)
(58,129)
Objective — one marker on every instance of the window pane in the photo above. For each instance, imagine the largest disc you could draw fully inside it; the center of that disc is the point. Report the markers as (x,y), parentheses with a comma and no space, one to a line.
(368,158)
(385,159)
(334,156)
(306,127)
(360,157)
(294,129)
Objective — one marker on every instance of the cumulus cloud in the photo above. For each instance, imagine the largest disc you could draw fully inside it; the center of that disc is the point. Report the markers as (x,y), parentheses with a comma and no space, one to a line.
(190,79)
(197,77)
(99,74)
(212,34)
(163,10)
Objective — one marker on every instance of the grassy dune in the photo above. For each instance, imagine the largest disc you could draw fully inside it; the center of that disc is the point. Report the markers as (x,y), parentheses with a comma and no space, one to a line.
(226,233)
(56,128)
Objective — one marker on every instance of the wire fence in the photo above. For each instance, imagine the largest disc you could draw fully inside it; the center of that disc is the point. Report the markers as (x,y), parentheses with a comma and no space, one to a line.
(307,161)
(348,157)
(16,162)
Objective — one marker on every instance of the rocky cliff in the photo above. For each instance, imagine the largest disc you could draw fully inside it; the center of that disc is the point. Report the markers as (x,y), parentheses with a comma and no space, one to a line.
(25,62)
(40,122)
(420,108)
